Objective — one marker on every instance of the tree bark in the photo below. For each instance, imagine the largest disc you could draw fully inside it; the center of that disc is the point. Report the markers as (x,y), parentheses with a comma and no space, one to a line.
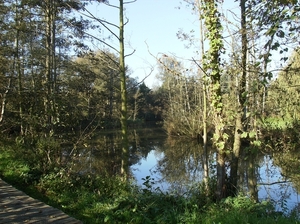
(125,147)
(17,66)
(3,104)
(241,104)
(204,91)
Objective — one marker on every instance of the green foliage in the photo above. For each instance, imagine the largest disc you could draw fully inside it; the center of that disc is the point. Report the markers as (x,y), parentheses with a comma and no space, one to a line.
(274,123)
(284,93)
(241,209)
(106,199)
(181,98)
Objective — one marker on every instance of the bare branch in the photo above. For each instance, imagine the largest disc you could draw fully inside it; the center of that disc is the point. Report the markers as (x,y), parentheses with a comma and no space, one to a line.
(152,69)
(113,6)
(101,21)
(127,21)
(199,66)
(130,2)
(130,54)
(273,183)
(96,38)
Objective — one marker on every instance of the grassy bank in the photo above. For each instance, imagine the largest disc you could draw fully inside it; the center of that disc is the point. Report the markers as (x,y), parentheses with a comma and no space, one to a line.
(102,199)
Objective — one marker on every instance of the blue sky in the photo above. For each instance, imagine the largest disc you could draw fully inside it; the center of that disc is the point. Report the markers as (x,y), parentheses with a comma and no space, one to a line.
(156,23)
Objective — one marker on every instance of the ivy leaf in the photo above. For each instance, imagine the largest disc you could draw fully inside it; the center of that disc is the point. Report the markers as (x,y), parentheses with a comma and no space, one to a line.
(257,143)
(280,34)
(252,134)
(244,135)
(275,46)
(221,145)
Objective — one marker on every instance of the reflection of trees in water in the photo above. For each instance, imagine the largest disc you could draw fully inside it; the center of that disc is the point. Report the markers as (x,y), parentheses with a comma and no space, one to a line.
(249,173)
(282,147)
(289,163)
(102,155)
(99,156)
(182,164)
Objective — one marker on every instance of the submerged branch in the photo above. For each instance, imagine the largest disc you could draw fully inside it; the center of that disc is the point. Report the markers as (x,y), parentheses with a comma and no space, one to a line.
(277,182)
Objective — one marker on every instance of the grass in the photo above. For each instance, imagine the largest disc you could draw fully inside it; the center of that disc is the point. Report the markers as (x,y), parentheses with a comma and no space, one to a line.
(103,199)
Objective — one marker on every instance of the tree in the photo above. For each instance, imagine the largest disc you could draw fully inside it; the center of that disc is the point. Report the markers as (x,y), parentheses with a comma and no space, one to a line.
(36,48)
(211,65)
(91,91)
(241,108)
(283,92)
(5,53)
(184,114)
(238,85)
(122,72)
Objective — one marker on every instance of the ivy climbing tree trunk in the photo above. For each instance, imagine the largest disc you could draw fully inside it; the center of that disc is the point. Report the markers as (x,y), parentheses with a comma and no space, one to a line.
(212,66)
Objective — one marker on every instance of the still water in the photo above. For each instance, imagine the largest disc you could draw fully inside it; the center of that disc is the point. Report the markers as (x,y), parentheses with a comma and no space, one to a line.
(174,165)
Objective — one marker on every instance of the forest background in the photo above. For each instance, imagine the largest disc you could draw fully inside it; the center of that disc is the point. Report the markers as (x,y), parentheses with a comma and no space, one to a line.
(61,80)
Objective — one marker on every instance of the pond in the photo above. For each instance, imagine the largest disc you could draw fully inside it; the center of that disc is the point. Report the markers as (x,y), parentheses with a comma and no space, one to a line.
(175,165)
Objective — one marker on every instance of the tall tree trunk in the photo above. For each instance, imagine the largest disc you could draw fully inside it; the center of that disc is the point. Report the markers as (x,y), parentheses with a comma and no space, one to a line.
(212,64)
(111,96)
(4,98)
(252,178)
(204,91)
(234,165)
(136,104)
(17,65)
(53,61)
(48,58)
(50,14)
(125,146)
(241,104)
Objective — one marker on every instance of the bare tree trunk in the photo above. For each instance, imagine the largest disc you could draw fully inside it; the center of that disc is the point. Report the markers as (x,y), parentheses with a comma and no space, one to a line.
(17,67)
(241,104)
(111,96)
(205,163)
(252,178)
(136,104)
(221,175)
(47,102)
(125,147)
(3,104)
(204,91)
(236,153)
(53,61)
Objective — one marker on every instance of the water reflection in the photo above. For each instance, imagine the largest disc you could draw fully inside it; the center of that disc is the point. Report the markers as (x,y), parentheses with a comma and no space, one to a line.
(277,186)
(101,154)
(176,164)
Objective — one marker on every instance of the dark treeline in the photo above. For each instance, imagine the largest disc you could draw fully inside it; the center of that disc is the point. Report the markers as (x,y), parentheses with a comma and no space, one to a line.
(52,83)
